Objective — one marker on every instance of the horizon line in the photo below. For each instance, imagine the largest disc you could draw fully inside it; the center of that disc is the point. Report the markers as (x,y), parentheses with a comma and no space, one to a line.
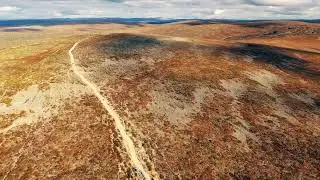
(160,18)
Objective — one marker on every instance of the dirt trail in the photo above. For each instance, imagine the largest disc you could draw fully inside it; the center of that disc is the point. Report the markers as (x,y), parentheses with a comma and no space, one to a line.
(126,140)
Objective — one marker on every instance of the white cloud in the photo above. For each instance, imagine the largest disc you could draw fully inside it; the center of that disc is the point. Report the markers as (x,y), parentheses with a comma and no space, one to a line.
(8,8)
(57,14)
(219,11)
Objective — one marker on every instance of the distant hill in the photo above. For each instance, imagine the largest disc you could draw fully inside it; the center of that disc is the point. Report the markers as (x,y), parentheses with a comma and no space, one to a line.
(129,21)
(48,22)
(311,20)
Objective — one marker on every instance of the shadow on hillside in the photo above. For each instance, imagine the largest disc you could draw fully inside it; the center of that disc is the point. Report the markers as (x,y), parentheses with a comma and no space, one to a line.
(128,43)
(258,24)
(275,56)
(200,22)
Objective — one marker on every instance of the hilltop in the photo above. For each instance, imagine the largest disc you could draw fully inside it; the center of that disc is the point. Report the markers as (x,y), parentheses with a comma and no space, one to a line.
(197,99)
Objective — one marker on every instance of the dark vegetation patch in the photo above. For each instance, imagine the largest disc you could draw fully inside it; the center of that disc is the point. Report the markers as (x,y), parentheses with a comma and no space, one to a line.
(200,22)
(258,24)
(127,43)
(275,56)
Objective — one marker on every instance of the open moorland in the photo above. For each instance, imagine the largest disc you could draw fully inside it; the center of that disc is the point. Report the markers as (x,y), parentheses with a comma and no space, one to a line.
(186,100)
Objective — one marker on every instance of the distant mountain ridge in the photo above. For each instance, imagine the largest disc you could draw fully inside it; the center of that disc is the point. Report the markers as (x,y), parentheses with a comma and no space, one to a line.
(129,21)
(48,22)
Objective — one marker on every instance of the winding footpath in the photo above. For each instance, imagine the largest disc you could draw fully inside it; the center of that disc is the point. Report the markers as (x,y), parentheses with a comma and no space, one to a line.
(126,140)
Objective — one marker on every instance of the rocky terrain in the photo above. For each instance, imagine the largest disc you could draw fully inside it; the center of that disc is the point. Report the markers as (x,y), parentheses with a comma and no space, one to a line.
(197,100)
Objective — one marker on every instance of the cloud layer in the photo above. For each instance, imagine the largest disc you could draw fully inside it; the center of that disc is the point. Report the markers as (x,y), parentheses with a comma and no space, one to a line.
(230,9)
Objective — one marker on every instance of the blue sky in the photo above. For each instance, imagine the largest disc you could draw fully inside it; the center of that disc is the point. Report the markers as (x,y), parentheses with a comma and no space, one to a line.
(232,9)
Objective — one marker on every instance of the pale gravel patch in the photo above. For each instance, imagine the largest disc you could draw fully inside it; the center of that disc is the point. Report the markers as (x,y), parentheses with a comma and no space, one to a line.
(281,110)
(249,58)
(179,39)
(39,104)
(266,79)
(234,87)
(149,61)
(242,134)
(177,111)
(284,112)
(305,98)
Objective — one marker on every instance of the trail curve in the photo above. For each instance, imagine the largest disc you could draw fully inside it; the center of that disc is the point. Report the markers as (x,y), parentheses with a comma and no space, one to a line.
(126,140)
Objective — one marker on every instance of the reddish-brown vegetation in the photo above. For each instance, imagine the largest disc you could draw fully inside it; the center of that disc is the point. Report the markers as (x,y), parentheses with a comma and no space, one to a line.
(204,100)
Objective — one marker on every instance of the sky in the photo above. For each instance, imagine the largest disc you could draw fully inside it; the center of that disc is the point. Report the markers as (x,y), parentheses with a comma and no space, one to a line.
(166,9)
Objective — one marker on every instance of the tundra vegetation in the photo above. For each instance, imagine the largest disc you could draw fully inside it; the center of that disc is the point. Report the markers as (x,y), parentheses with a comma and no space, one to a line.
(199,100)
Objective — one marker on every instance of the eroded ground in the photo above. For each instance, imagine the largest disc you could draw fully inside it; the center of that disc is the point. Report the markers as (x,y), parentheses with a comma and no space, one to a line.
(199,100)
